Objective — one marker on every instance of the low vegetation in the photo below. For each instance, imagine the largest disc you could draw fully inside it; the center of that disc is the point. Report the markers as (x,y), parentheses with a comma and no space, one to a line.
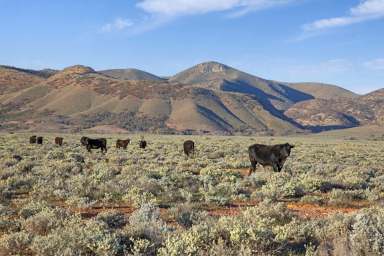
(66,201)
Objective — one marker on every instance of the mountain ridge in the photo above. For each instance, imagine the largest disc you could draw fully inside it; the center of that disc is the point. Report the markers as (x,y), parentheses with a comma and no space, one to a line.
(207,98)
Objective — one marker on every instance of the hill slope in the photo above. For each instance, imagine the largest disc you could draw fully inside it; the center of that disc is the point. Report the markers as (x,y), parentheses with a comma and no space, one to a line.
(130,74)
(325,114)
(207,98)
(323,91)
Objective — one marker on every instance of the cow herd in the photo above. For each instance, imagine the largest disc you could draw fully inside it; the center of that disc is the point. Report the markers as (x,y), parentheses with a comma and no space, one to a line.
(265,155)
(36,140)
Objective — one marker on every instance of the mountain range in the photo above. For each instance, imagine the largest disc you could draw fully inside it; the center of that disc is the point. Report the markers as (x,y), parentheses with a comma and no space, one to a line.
(209,98)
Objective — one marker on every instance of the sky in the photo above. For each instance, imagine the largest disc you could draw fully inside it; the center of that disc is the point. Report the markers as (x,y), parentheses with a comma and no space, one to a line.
(331,41)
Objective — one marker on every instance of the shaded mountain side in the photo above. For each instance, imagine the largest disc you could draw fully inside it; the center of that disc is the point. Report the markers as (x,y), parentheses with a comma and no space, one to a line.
(213,75)
(208,98)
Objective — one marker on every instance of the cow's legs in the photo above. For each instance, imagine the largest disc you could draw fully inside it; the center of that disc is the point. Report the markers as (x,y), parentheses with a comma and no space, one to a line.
(89,148)
(276,167)
(280,166)
(253,167)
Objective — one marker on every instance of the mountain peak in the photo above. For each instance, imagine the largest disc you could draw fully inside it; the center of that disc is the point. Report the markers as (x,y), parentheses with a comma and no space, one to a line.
(78,70)
(211,67)
(130,74)
(203,72)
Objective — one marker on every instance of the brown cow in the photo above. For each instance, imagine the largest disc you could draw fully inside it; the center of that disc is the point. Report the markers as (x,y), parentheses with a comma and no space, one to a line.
(59,141)
(123,143)
(189,147)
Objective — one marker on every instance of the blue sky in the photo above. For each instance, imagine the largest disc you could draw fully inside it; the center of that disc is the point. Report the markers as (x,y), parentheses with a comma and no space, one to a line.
(331,41)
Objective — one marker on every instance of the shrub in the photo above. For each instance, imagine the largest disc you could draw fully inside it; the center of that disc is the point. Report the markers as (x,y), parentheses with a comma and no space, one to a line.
(139,197)
(220,194)
(43,222)
(191,242)
(77,158)
(312,199)
(15,243)
(342,197)
(113,219)
(367,236)
(187,216)
(32,208)
(359,234)
(77,237)
(145,223)
(56,154)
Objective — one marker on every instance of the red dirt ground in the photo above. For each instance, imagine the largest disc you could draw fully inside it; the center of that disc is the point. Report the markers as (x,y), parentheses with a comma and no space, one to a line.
(303,210)
(312,211)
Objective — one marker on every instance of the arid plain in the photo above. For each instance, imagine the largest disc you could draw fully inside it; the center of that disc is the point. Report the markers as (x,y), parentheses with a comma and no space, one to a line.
(327,199)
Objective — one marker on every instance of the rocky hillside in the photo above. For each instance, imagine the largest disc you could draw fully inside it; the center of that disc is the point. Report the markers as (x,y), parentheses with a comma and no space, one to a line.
(207,98)
(326,114)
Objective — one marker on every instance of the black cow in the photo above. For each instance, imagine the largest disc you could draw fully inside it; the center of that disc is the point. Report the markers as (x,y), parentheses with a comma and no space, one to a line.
(274,156)
(59,141)
(94,144)
(39,140)
(189,147)
(143,144)
(32,139)
(123,143)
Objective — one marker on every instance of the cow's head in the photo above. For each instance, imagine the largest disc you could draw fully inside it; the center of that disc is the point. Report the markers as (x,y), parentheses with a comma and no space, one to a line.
(84,141)
(286,149)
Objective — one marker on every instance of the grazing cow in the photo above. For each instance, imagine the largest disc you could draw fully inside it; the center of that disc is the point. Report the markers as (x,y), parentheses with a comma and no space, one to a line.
(32,139)
(59,141)
(274,156)
(94,144)
(39,140)
(123,143)
(143,144)
(189,147)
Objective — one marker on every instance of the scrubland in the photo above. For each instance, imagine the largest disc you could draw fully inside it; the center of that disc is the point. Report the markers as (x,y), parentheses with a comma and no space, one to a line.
(66,201)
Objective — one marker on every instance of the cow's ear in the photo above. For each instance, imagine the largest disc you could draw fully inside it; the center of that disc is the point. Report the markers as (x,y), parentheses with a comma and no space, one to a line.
(292,146)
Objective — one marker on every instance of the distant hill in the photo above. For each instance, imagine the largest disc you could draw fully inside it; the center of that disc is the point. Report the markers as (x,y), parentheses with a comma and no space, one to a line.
(328,114)
(130,74)
(323,91)
(371,132)
(14,79)
(207,98)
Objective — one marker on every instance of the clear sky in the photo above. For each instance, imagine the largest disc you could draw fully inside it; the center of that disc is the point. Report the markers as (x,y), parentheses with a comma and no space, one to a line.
(332,41)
